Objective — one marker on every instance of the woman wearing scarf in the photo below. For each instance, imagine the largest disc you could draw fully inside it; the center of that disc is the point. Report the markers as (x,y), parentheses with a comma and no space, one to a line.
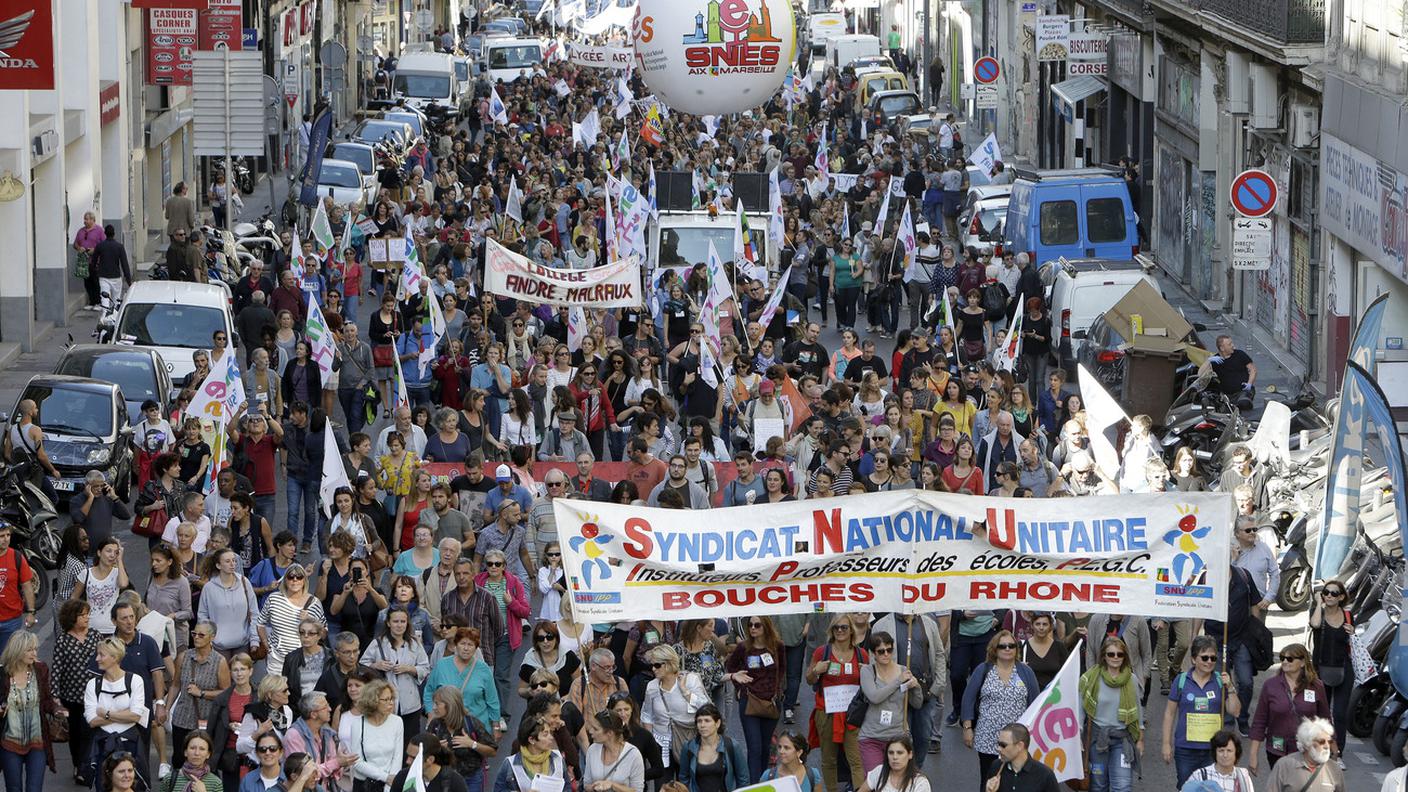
(537,755)
(1110,697)
(195,774)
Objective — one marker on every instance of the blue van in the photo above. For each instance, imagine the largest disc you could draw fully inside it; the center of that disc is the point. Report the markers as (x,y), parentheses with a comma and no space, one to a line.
(1078,214)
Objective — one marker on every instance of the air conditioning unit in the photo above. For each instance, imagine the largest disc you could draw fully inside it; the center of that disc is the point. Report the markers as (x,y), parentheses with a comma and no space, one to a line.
(45,144)
(1305,125)
(1265,96)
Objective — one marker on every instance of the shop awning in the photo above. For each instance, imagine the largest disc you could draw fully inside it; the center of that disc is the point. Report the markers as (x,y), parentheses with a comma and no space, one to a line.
(1078,89)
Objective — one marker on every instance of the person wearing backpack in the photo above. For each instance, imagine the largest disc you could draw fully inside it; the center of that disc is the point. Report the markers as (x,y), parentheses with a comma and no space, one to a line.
(115,705)
(1197,701)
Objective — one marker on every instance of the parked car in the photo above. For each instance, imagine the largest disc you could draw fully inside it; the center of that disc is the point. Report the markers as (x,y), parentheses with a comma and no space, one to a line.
(980,225)
(344,182)
(873,80)
(175,318)
(85,427)
(139,371)
(396,134)
(1079,213)
(886,107)
(1084,289)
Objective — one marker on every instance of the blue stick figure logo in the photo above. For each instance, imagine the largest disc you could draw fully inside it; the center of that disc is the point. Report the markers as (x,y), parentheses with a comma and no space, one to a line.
(591,545)
(1187,564)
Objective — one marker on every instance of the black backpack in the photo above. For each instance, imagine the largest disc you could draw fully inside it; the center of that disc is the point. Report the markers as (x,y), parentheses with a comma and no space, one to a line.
(994,300)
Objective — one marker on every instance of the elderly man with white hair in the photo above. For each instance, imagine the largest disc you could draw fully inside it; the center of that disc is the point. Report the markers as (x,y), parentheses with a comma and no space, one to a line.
(1311,769)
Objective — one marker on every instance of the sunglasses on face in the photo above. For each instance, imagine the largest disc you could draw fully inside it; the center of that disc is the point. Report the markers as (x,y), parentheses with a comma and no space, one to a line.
(657,665)
(297,577)
(268,749)
(554,555)
(544,637)
(1291,658)
(543,686)
(1007,646)
(493,564)
(1114,654)
(884,650)
(1211,658)
(1333,593)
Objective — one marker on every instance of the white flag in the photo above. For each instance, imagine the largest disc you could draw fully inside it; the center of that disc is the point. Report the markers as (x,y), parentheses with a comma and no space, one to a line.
(334,474)
(777,229)
(576,327)
(1054,720)
(437,334)
(719,289)
(1103,416)
(402,400)
(514,206)
(905,236)
(707,360)
(623,98)
(775,300)
(320,340)
(654,204)
(1006,357)
(986,154)
(589,129)
(497,110)
(295,262)
(321,229)
(884,209)
(548,5)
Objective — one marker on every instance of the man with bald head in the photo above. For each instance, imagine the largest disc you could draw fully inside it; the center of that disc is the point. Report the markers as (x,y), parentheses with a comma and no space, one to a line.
(25,440)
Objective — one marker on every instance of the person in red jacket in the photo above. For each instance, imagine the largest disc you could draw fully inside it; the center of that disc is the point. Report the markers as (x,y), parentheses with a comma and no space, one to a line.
(595,406)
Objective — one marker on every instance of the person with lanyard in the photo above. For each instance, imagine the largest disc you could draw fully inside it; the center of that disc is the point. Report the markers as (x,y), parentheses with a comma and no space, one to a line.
(1286,699)
(1331,625)
(1197,702)
(921,646)
(1134,631)
(836,664)
(999,690)
(1311,769)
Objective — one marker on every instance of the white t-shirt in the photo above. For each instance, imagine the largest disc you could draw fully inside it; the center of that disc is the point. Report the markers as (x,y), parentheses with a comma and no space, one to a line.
(101,593)
(872,780)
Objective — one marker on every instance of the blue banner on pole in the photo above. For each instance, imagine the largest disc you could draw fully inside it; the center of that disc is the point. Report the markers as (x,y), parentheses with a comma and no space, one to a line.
(313,166)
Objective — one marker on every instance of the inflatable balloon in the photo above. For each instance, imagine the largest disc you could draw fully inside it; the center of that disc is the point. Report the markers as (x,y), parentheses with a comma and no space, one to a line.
(711,57)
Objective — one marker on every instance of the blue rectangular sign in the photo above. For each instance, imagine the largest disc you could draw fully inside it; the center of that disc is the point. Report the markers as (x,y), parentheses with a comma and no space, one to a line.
(249,39)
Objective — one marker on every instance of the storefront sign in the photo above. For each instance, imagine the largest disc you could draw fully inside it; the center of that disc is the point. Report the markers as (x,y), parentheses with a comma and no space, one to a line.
(910,551)
(1125,56)
(1365,203)
(171,38)
(1075,68)
(27,53)
(616,285)
(1053,37)
(220,26)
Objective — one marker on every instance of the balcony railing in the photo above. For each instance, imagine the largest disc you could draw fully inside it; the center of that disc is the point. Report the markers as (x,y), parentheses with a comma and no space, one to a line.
(1283,21)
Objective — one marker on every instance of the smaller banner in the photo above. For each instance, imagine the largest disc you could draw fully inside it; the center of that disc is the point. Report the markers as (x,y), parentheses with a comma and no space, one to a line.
(1054,720)
(221,25)
(600,57)
(313,167)
(27,45)
(507,274)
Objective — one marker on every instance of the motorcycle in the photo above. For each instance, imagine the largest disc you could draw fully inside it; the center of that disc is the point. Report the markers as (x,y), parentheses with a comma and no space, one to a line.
(34,524)
(1207,422)
(243,176)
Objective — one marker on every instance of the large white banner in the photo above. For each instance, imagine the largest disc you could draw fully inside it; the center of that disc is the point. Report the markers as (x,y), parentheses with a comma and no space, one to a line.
(616,285)
(910,551)
(600,57)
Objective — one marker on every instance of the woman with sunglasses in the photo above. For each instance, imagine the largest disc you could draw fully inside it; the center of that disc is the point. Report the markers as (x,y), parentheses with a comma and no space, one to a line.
(547,654)
(471,744)
(671,700)
(891,692)
(758,669)
(1285,700)
(1198,699)
(996,694)
(1331,625)
(1110,698)
(201,674)
(593,403)
(286,607)
(837,663)
(400,657)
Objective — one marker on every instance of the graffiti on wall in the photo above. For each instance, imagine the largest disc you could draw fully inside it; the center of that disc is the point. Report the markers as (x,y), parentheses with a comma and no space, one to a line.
(1169,240)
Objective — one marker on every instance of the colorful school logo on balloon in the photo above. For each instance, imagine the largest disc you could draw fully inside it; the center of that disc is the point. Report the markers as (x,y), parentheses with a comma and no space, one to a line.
(1187,574)
(714,57)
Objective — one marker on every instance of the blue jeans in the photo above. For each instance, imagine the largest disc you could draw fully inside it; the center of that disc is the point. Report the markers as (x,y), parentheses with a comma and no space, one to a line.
(796,658)
(28,767)
(264,506)
(418,394)
(1242,675)
(757,736)
(1111,770)
(616,442)
(301,502)
(350,302)
(1187,761)
(354,407)
(921,726)
(890,309)
(474,782)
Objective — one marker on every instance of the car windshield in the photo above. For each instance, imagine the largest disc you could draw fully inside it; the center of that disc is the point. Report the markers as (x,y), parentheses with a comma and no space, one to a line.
(339,176)
(72,411)
(362,156)
(377,132)
(990,218)
(898,105)
(461,70)
(689,246)
(408,118)
(423,86)
(523,57)
(169,324)
(131,371)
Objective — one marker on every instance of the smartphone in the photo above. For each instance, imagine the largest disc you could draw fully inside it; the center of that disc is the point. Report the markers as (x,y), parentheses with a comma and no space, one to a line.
(356,574)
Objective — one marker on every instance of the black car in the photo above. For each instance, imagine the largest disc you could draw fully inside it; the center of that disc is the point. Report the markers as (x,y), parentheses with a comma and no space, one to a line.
(139,371)
(888,107)
(85,427)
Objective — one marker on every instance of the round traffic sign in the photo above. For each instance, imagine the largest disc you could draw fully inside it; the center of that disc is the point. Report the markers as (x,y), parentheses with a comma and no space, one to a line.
(1254,193)
(985,70)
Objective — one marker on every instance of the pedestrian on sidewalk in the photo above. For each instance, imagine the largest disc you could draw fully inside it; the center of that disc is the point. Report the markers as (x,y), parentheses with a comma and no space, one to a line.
(85,243)
(111,267)
(180,211)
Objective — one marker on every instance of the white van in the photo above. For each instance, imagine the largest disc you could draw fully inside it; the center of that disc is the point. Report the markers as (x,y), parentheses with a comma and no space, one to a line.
(426,78)
(1082,290)
(508,59)
(175,318)
(821,28)
(841,50)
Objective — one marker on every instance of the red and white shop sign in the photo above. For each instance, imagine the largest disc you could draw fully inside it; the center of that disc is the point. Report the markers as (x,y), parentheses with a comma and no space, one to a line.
(26,45)
(221,24)
(171,38)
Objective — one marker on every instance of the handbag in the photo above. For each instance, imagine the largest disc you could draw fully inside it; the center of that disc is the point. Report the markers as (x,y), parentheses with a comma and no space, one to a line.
(384,355)
(1359,657)
(151,524)
(58,726)
(857,710)
(80,264)
(758,707)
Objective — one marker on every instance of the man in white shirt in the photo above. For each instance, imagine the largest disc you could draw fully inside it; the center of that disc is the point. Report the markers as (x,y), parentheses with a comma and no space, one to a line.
(192,511)
(946,130)
(412,434)
(152,433)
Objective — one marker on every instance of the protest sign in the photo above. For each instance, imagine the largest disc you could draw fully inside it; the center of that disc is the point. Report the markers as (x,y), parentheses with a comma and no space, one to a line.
(600,57)
(911,551)
(616,285)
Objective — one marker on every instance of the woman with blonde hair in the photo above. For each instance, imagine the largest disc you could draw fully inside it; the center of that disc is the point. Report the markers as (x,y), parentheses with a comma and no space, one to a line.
(115,706)
(286,607)
(375,735)
(671,699)
(1109,695)
(270,713)
(29,706)
(837,663)
(471,743)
